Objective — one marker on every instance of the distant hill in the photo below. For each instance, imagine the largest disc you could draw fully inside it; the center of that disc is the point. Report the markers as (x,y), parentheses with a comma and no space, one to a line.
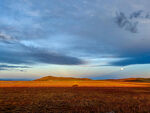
(52,78)
(132,80)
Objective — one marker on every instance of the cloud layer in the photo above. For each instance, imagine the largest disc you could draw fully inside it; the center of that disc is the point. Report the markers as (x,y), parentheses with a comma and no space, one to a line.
(18,53)
(72,32)
(131,22)
(7,67)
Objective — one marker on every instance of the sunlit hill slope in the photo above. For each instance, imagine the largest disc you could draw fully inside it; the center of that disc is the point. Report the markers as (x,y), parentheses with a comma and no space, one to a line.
(52,78)
(134,80)
(51,81)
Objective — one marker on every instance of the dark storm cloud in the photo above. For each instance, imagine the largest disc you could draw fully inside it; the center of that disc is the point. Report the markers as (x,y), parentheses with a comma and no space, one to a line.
(22,54)
(124,22)
(37,56)
(136,14)
(54,58)
(130,23)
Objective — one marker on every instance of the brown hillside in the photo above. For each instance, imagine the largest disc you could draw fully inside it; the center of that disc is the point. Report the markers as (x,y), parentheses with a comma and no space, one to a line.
(132,80)
(52,78)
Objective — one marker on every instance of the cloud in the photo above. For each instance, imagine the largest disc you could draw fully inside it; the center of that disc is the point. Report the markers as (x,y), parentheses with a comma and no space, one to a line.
(53,58)
(38,56)
(132,61)
(63,33)
(18,53)
(125,22)
(6,38)
(44,56)
(6,67)
(136,14)
(131,22)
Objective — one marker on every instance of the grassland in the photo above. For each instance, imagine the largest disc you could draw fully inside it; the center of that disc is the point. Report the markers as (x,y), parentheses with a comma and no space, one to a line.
(74,100)
(86,97)
(71,83)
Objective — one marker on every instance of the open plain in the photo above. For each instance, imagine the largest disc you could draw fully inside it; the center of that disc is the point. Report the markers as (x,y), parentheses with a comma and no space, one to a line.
(74,97)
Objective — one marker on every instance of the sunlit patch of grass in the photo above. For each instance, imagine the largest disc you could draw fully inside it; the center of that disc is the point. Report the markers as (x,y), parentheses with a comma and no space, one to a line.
(71,83)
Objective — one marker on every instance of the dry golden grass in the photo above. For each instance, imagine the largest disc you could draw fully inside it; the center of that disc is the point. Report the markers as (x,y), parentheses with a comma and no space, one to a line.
(74,97)
(74,100)
(71,83)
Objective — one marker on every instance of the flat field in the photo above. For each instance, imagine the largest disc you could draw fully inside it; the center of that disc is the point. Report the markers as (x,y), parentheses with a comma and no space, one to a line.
(72,83)
(61,97)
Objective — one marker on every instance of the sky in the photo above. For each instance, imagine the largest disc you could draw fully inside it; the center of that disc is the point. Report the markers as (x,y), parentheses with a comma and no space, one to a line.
(99,39)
